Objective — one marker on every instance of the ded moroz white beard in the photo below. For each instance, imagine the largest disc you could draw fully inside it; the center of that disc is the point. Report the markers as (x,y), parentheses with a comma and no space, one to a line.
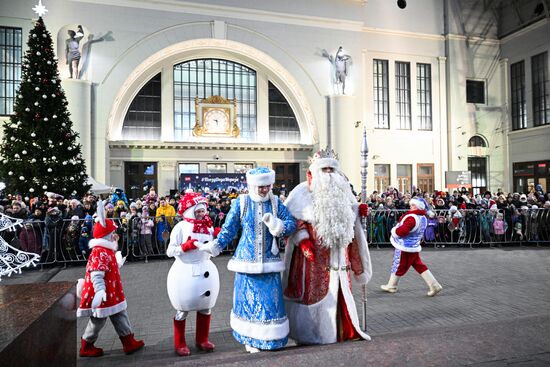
(332,208)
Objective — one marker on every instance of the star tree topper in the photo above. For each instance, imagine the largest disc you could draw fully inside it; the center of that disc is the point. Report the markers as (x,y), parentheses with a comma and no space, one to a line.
(40,9)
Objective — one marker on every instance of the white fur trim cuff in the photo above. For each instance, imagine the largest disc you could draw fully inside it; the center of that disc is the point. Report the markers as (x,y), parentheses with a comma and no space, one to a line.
(111,245)
(102,312)
(260,330)
(299,236)
(255,268)
(261,179)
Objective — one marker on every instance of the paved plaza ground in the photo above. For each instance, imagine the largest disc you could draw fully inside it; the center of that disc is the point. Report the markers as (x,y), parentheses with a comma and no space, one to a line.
(494,310)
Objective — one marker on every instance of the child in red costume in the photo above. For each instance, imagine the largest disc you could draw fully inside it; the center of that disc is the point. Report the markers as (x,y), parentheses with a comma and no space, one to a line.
(406,237)
(101,294)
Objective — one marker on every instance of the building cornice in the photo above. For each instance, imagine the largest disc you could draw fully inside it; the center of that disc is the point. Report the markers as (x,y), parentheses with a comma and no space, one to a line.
(159,145)
(234,12)
(398,33)
(525,30)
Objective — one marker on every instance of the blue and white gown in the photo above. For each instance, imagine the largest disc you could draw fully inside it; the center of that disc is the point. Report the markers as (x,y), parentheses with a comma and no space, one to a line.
(258,317)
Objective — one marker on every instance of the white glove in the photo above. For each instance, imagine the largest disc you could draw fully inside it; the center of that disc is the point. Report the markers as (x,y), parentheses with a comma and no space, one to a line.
(275,225)
(99,297)
(119,259)
(268,219)
(209,247)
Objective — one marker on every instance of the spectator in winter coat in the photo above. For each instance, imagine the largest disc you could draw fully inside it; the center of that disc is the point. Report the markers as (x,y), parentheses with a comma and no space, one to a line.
(119,195)
(75,208)
(85,235)
(146,234)
(29,239)
(167,210)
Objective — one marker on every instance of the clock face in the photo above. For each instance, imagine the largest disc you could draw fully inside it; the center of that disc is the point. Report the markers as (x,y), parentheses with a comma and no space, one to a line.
(216,121)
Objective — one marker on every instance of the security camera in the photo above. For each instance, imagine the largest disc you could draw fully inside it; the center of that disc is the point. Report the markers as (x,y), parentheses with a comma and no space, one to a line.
(217,157)
(402,4)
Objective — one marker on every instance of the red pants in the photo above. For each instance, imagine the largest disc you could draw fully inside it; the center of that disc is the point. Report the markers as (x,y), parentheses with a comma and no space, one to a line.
(408,259)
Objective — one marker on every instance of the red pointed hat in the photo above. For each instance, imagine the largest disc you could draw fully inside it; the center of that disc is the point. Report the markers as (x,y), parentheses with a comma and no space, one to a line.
(189,200)
(103,226)
(100,231)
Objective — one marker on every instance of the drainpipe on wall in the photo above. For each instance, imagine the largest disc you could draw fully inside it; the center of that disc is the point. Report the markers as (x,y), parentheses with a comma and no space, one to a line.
(447,83)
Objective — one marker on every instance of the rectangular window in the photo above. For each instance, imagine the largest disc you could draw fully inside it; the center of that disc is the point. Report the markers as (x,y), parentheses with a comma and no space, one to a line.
(403,94)
(381,94)
(475,91)
(424,96)
(541,102)
(425,173)
(216,168)
(188,168)
(242,167)
(404,178)
(478,167)
(11,52)
(519,106)
(381,177)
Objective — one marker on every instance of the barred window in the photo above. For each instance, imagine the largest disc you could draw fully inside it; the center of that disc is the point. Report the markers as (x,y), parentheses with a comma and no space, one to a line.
(403,94)
(519,106)
(381,94)
(11,51)
(477,141)
(424,95)
(283,127)
(143,119)
(204,78)
(541,102)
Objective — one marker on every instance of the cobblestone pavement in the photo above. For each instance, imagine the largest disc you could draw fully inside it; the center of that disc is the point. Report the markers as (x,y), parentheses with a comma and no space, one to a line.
(494,310)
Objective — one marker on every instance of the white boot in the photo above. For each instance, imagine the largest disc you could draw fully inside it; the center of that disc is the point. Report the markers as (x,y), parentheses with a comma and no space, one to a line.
(391,287)
(430,280)
(251,349)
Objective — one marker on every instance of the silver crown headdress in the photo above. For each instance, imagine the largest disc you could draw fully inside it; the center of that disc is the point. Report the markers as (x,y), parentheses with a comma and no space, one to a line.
(323,153)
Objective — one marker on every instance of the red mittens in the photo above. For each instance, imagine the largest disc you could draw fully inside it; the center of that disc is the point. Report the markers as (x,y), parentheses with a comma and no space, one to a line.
(363,210)
(188,245)
(306,246)
(217,231)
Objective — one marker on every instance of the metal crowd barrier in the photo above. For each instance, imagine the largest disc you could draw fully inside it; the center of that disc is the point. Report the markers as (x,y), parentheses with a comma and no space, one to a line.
(60,241)
(468,227)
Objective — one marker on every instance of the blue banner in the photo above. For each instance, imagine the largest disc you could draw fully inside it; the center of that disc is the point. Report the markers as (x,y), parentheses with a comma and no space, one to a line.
(211,181)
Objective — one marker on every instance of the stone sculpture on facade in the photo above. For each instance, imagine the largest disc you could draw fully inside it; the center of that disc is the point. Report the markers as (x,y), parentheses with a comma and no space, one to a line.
(341,63)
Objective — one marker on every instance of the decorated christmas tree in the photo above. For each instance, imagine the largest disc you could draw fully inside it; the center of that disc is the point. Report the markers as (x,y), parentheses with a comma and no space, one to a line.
(39,150)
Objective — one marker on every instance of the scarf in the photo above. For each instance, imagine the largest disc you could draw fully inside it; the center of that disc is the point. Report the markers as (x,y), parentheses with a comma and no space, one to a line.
(200,226)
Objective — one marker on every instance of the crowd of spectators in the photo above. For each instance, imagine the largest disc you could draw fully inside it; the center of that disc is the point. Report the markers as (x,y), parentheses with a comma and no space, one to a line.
(59,228)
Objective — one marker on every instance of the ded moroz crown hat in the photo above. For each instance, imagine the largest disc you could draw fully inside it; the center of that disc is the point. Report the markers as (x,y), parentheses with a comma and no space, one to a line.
(322,159)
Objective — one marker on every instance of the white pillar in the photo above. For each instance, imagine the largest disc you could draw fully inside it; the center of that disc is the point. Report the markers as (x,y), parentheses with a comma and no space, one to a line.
(441,123)
(345,137)
(506,126)
(79,97)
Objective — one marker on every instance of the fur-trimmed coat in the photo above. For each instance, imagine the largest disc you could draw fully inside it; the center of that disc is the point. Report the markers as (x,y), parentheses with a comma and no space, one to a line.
(311,288)
(102,258)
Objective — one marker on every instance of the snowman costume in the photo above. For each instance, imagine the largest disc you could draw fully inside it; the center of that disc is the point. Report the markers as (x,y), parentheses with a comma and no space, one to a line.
(193,281)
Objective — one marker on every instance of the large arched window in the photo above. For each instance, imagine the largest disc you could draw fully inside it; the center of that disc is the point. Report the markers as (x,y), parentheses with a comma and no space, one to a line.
(283,127)
(143,118)
(204,78)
